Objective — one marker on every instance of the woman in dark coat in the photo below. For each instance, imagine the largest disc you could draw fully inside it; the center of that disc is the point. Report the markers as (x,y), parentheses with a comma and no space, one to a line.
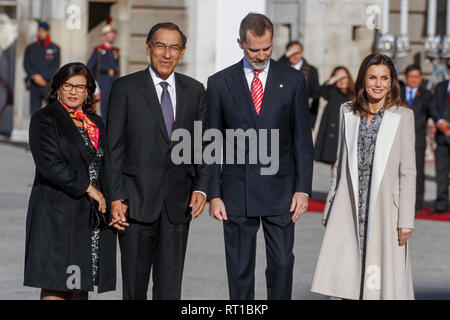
(338,89)
(69,245)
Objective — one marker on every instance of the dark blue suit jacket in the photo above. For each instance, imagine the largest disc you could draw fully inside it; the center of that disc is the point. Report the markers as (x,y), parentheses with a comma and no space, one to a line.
(243,189)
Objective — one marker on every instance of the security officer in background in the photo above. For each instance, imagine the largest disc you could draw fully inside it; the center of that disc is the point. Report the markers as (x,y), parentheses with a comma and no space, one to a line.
(104,64)
(41,61)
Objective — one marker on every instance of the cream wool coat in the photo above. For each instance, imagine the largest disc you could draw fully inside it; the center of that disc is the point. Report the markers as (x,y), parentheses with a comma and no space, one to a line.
(392,200)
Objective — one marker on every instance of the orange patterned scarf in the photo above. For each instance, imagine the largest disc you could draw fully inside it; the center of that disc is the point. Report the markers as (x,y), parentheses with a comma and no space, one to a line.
(89,126)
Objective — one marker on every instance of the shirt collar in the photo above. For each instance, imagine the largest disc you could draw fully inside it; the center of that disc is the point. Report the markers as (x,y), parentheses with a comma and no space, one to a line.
(249,69)
(157,79)
(299,65)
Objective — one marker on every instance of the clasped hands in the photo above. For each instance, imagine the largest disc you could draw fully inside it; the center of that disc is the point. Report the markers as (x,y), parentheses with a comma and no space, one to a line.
(119,209)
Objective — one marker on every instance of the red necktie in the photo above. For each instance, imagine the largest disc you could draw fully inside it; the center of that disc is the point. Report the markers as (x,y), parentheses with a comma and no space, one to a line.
(257,91)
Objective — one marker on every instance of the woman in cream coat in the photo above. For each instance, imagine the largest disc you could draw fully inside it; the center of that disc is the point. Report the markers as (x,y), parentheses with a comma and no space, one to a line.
(369,214)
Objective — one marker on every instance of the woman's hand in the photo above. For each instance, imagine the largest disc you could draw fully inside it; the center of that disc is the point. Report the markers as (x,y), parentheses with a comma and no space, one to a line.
(324,222)
(403,235)
(96,195)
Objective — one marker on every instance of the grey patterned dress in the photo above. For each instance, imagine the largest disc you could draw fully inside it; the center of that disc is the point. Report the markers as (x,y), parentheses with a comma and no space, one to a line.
(95,164)
(367,138)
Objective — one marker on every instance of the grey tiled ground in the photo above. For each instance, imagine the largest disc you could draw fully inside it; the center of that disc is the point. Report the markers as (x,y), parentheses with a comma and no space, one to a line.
(205,275)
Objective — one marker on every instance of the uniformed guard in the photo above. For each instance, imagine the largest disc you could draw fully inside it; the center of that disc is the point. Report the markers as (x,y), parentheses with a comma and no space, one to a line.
(104,64)
(41,61)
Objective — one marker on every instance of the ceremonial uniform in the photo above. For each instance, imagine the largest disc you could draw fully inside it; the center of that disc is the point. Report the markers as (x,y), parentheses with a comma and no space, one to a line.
(41,57)
(104,64)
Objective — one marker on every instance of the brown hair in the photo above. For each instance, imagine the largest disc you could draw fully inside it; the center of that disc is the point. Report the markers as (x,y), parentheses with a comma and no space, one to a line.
(351,82)
(359,103)
(257,23)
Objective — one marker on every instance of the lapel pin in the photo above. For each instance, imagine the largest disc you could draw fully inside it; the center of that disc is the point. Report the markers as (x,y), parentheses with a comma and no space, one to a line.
(281,85)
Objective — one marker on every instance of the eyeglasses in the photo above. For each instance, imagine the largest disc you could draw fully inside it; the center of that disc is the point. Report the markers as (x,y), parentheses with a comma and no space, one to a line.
(81,88)
(160,47)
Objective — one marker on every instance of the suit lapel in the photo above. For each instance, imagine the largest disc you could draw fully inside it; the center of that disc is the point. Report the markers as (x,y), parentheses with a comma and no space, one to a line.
(149,92)
(241,94)
(67,123)
(385,139)
(351,136)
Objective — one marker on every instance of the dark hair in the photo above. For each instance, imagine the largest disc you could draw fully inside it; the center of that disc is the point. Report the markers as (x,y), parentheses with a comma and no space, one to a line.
(66,72)
(359,104)
(412,67)
(351,83)
(291,43)
(167,26)
(257,23)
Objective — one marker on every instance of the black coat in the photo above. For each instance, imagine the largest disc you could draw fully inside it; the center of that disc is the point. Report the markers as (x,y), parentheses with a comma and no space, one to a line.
(58,229)
(440,109)
(142,171)
(325,147)
(243,189)
(421,107)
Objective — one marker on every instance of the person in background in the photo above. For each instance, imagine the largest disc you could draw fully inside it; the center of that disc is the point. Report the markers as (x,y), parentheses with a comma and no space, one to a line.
(104,64)
(260,93)
(69,246)
(369,212)
(294,58)
(440,112)
(41,60)
(338,89)
(418,98)
(154,197)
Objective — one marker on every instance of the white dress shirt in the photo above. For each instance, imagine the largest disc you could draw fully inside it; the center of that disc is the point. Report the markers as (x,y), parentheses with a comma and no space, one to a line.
(170,88)
(248,70)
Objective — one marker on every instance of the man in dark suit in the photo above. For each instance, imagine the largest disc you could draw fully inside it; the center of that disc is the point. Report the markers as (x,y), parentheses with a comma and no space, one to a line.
(158,196)
(418,98)
(294,58)
(440,112)
(254,95)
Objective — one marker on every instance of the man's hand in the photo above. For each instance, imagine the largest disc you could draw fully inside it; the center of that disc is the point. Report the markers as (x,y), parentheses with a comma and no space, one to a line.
(118,210)
(198,202)
(443,126)
(299,205)
(403,235)
(217,209)
(39,80)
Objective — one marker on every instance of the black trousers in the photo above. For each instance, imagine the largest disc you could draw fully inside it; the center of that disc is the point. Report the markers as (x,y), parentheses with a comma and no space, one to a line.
(420,178)
(240,250)
(161,245)
(442,155)
(37,95)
